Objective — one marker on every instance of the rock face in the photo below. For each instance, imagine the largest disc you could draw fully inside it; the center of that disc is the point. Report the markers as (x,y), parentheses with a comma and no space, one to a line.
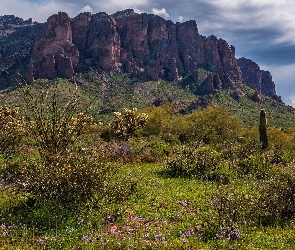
(141,44)
(16,43)
(9,23)
(255,78)
(54,54)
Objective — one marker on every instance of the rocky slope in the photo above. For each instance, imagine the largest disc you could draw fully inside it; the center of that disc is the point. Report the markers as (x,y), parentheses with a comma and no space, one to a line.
(255,78)
(142,44)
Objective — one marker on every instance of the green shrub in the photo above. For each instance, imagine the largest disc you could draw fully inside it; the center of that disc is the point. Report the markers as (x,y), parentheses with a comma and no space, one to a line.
(65,182)
(232,208)
(213,125)
(63,174)
(12,129)
(277,200)
(201,163)
(255,165)
(53,122)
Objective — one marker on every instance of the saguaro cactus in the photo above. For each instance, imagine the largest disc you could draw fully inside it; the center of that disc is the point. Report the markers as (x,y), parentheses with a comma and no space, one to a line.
(263,129)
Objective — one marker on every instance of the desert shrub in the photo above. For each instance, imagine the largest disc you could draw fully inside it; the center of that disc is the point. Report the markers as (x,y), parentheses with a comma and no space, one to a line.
(211,125)
(67,181)
(256,165)
(151,149)
(232,207)
(246,157)
(12,129)
(281,156)
(277,199)
(201,162)
(63,174)
(280,139)
(159,120)
(124,125)
(54,123)
(265,202)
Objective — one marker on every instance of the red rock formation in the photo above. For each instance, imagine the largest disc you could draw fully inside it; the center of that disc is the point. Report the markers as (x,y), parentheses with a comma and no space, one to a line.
(142,44)
(54,54)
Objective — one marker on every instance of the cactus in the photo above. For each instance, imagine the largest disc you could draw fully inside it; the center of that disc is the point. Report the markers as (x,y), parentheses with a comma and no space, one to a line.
(263,129)
(124,125)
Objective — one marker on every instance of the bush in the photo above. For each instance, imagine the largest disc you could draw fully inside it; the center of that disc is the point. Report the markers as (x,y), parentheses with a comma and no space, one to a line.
(63,174)
(232,207)
(212,125)
(200,162)
(54,122)
(12,129)
(65,182)
(277,200)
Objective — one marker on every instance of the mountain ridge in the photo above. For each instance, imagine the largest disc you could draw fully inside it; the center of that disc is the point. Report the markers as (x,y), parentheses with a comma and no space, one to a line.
(144,45)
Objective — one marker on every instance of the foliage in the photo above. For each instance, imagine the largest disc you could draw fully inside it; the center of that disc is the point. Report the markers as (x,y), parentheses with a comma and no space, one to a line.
(68,181)
(214,125)
(64,173)
(126,124)
(12,129)
(278,196)
(53,123)
(199,162)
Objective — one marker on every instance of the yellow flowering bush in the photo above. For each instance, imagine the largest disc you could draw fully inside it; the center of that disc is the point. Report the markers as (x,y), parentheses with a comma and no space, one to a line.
(12,129)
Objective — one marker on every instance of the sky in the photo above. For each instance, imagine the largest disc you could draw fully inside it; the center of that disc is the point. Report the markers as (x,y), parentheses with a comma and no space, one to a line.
(261,30)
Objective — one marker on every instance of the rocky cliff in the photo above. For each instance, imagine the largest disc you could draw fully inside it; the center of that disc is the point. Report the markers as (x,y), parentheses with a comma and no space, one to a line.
(141,44)
(255,78)
(9,23)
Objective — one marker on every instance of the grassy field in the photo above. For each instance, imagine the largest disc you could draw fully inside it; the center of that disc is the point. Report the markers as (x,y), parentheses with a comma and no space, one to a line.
(166,213)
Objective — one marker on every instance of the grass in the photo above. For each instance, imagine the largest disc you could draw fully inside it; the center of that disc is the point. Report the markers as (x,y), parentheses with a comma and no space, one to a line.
(166,213)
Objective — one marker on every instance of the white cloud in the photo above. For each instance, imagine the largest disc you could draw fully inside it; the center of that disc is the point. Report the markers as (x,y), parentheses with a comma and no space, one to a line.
(258,14)
(161,12)
(86,8)
(136,10)
(180,18)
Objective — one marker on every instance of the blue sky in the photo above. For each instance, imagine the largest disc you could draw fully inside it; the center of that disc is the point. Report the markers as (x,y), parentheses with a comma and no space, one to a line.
(261,30)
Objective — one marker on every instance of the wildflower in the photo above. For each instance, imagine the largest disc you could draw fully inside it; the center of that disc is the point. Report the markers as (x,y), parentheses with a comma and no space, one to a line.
(41,241)
(85,239)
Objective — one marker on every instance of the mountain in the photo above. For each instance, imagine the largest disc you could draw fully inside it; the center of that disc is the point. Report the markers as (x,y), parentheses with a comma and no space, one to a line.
(144,45)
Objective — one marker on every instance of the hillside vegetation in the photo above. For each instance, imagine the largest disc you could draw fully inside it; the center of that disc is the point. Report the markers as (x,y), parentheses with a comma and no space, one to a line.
(109,93)
(95,165)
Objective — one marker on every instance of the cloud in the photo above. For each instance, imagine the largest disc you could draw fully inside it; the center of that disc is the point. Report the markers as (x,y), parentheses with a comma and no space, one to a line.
(86,8)
(136,10)
(180,18)
(161,12)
